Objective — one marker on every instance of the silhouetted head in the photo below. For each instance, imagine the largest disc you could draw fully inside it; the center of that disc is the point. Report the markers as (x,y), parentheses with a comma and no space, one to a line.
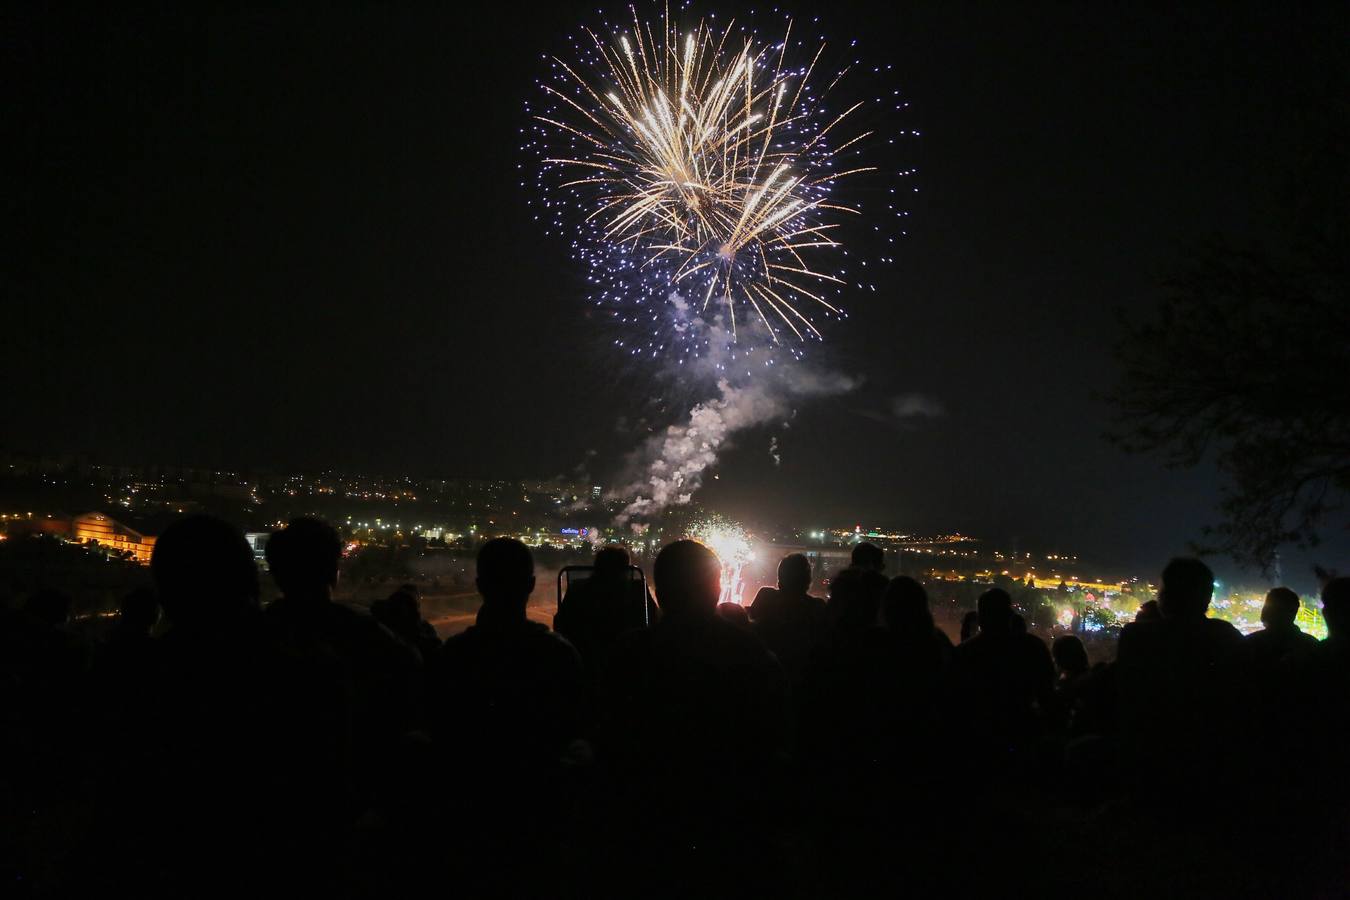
(204,572)
(48,606)
(794,574)
(1070,655)
(1148,612)
(904,606)
(1017,624)
(995,611)
(1280,609)
(303,558)
(855,597)
(611,562)
(505,574)
(734,613)
(970,625)
(398,612)
(139,610)
(868,556)
(1336,607)
(406,598)
(1187,587)
(688,579)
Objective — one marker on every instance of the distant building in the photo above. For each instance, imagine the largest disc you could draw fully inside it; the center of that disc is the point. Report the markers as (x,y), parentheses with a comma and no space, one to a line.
(257,542)
(22,526)
(138,540)
(595,492)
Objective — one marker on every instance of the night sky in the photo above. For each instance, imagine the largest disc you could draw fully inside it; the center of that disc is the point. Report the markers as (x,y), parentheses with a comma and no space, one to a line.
(299,239)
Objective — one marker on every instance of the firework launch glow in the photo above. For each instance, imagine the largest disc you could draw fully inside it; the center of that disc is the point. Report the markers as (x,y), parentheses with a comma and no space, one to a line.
(732,546)
(694,166)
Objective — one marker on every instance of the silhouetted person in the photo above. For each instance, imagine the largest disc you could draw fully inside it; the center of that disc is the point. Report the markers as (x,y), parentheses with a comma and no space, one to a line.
(39,651)
(1336,613)
(921,654)
(42,669)
(1330,738)
(48,607)
(1086,692)
(1305,718)
(904,607)
(789,620)
(378,670)
(1003,681)
(508,712)
(1018,624)
(1070,657)
(1280,637)
(970,625)
(125,665)
(735,614)
(905,611)
(401,613)
(1175,679)
(248,744)
(696,718)
(597,610)
(847,711)
(855,602)
(869,557)
(137,615)
(507,693)
(1272,684)
(1321,677)
(1148,612)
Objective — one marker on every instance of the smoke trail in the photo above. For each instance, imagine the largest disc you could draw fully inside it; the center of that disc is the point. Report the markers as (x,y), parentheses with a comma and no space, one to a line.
(670,466)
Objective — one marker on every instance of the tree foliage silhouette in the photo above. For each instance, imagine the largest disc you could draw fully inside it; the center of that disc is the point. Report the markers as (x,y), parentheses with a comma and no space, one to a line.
(1247,361)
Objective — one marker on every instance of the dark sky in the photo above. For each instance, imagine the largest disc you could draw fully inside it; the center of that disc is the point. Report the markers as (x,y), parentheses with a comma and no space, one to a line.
(298,239)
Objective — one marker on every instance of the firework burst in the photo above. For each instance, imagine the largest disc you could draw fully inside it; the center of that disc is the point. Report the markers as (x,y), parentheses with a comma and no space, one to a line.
(696,169)
(733,548)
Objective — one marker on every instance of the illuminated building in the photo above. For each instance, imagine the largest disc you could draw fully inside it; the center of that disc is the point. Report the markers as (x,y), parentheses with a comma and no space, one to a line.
(110,533)
(257,542)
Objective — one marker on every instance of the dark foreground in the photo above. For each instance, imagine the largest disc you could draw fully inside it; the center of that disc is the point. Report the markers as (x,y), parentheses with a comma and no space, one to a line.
(810,748)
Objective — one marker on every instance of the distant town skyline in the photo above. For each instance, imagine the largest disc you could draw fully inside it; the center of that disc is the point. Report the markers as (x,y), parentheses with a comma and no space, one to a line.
(554,510)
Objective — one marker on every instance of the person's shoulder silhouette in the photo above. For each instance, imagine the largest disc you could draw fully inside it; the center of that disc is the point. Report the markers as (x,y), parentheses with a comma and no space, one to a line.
(696,693)
(1280,636)
(970,625)
(1182,624)
(790,621)
(355,653)
(1071,658)
(511,685)
(1004,678)
(1174,679)
(401,613)
(304,559)
(596,610)
(123,662)
(905,610)
(227,688)
(868,557)
(855,598)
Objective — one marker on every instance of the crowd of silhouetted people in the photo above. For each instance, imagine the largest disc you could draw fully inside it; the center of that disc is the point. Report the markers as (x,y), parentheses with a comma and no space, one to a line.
(658,743)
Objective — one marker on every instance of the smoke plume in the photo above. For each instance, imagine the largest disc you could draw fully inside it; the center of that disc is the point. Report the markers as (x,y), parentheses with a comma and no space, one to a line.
(669,468)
